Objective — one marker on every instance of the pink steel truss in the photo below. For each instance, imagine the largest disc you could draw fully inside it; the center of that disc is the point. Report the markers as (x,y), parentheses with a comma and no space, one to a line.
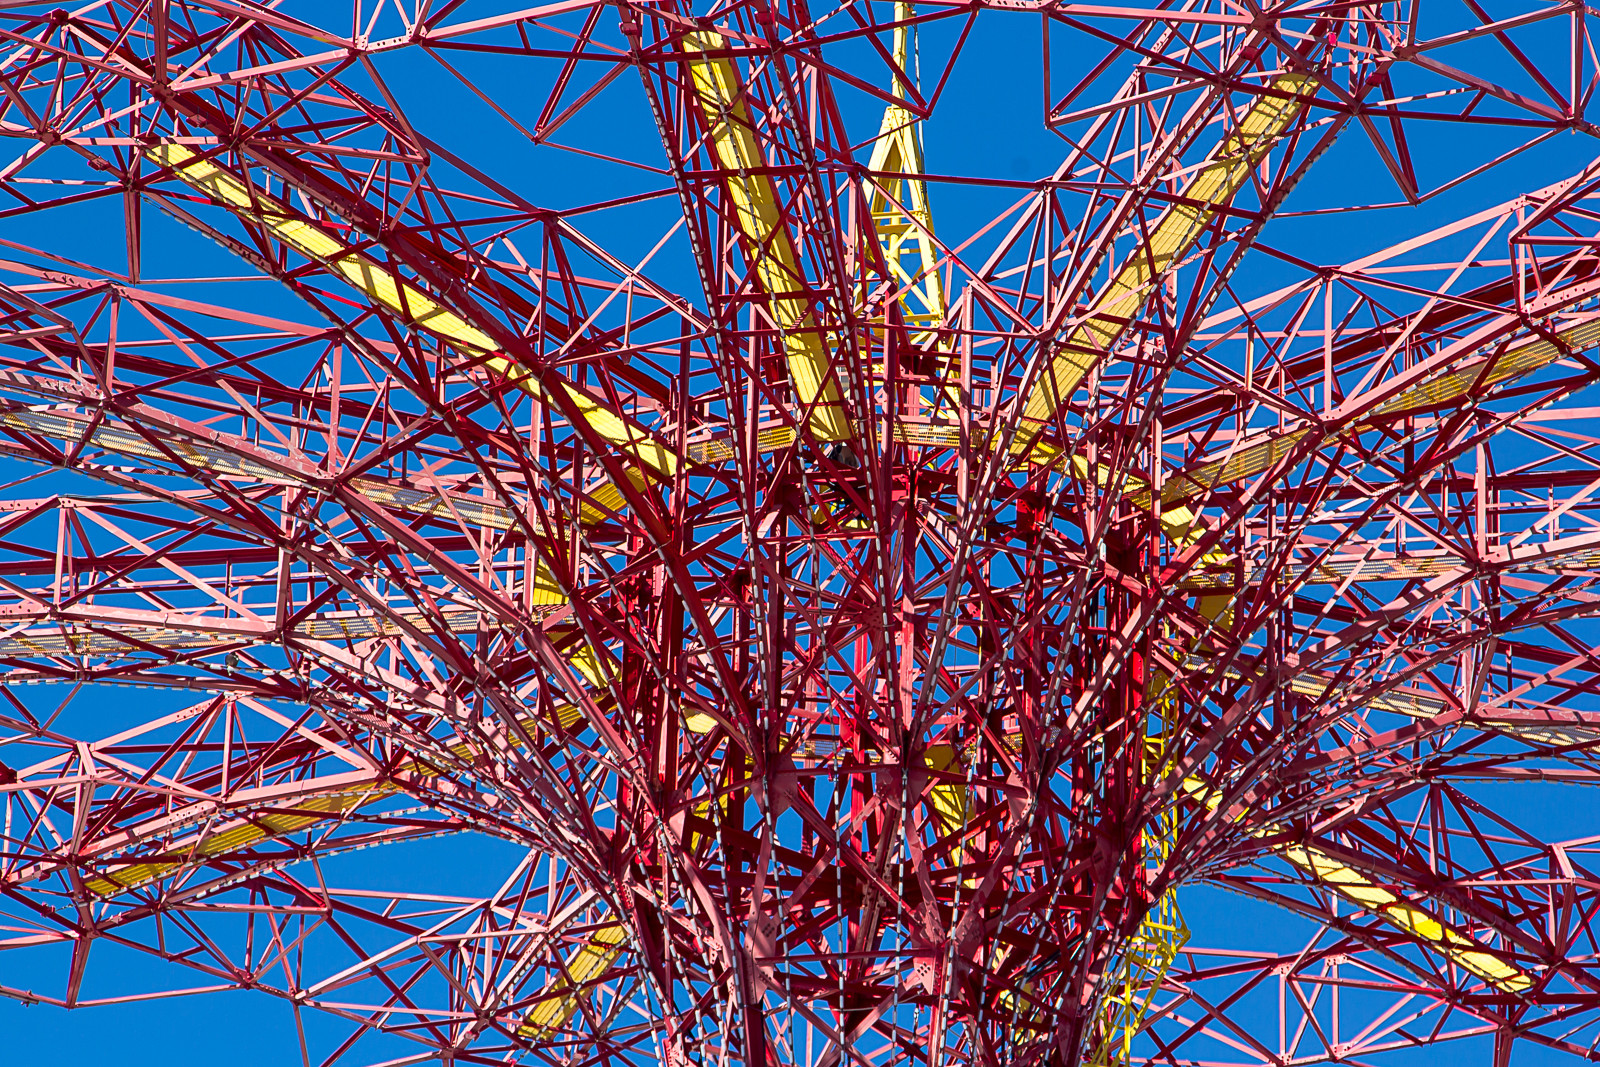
(867,626)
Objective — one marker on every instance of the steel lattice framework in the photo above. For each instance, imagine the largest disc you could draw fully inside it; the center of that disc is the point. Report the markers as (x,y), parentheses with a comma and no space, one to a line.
(862,623)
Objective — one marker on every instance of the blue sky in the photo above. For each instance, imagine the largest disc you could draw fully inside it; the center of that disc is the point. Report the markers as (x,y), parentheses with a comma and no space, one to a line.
(989,123)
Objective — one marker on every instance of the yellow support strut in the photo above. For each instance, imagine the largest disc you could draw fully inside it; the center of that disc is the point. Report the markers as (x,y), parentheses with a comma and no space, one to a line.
(560,998)
(286,817)
(1171,238)
(1252,456)
(902,219)
(901,214)
(1359,889)
(409,303)
(771,250)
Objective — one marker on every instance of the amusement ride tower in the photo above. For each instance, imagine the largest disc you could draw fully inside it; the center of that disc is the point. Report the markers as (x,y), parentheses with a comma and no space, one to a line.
(869,600)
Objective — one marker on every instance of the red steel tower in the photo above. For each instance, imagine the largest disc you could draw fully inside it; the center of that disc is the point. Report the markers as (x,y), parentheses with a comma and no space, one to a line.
(870,600)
